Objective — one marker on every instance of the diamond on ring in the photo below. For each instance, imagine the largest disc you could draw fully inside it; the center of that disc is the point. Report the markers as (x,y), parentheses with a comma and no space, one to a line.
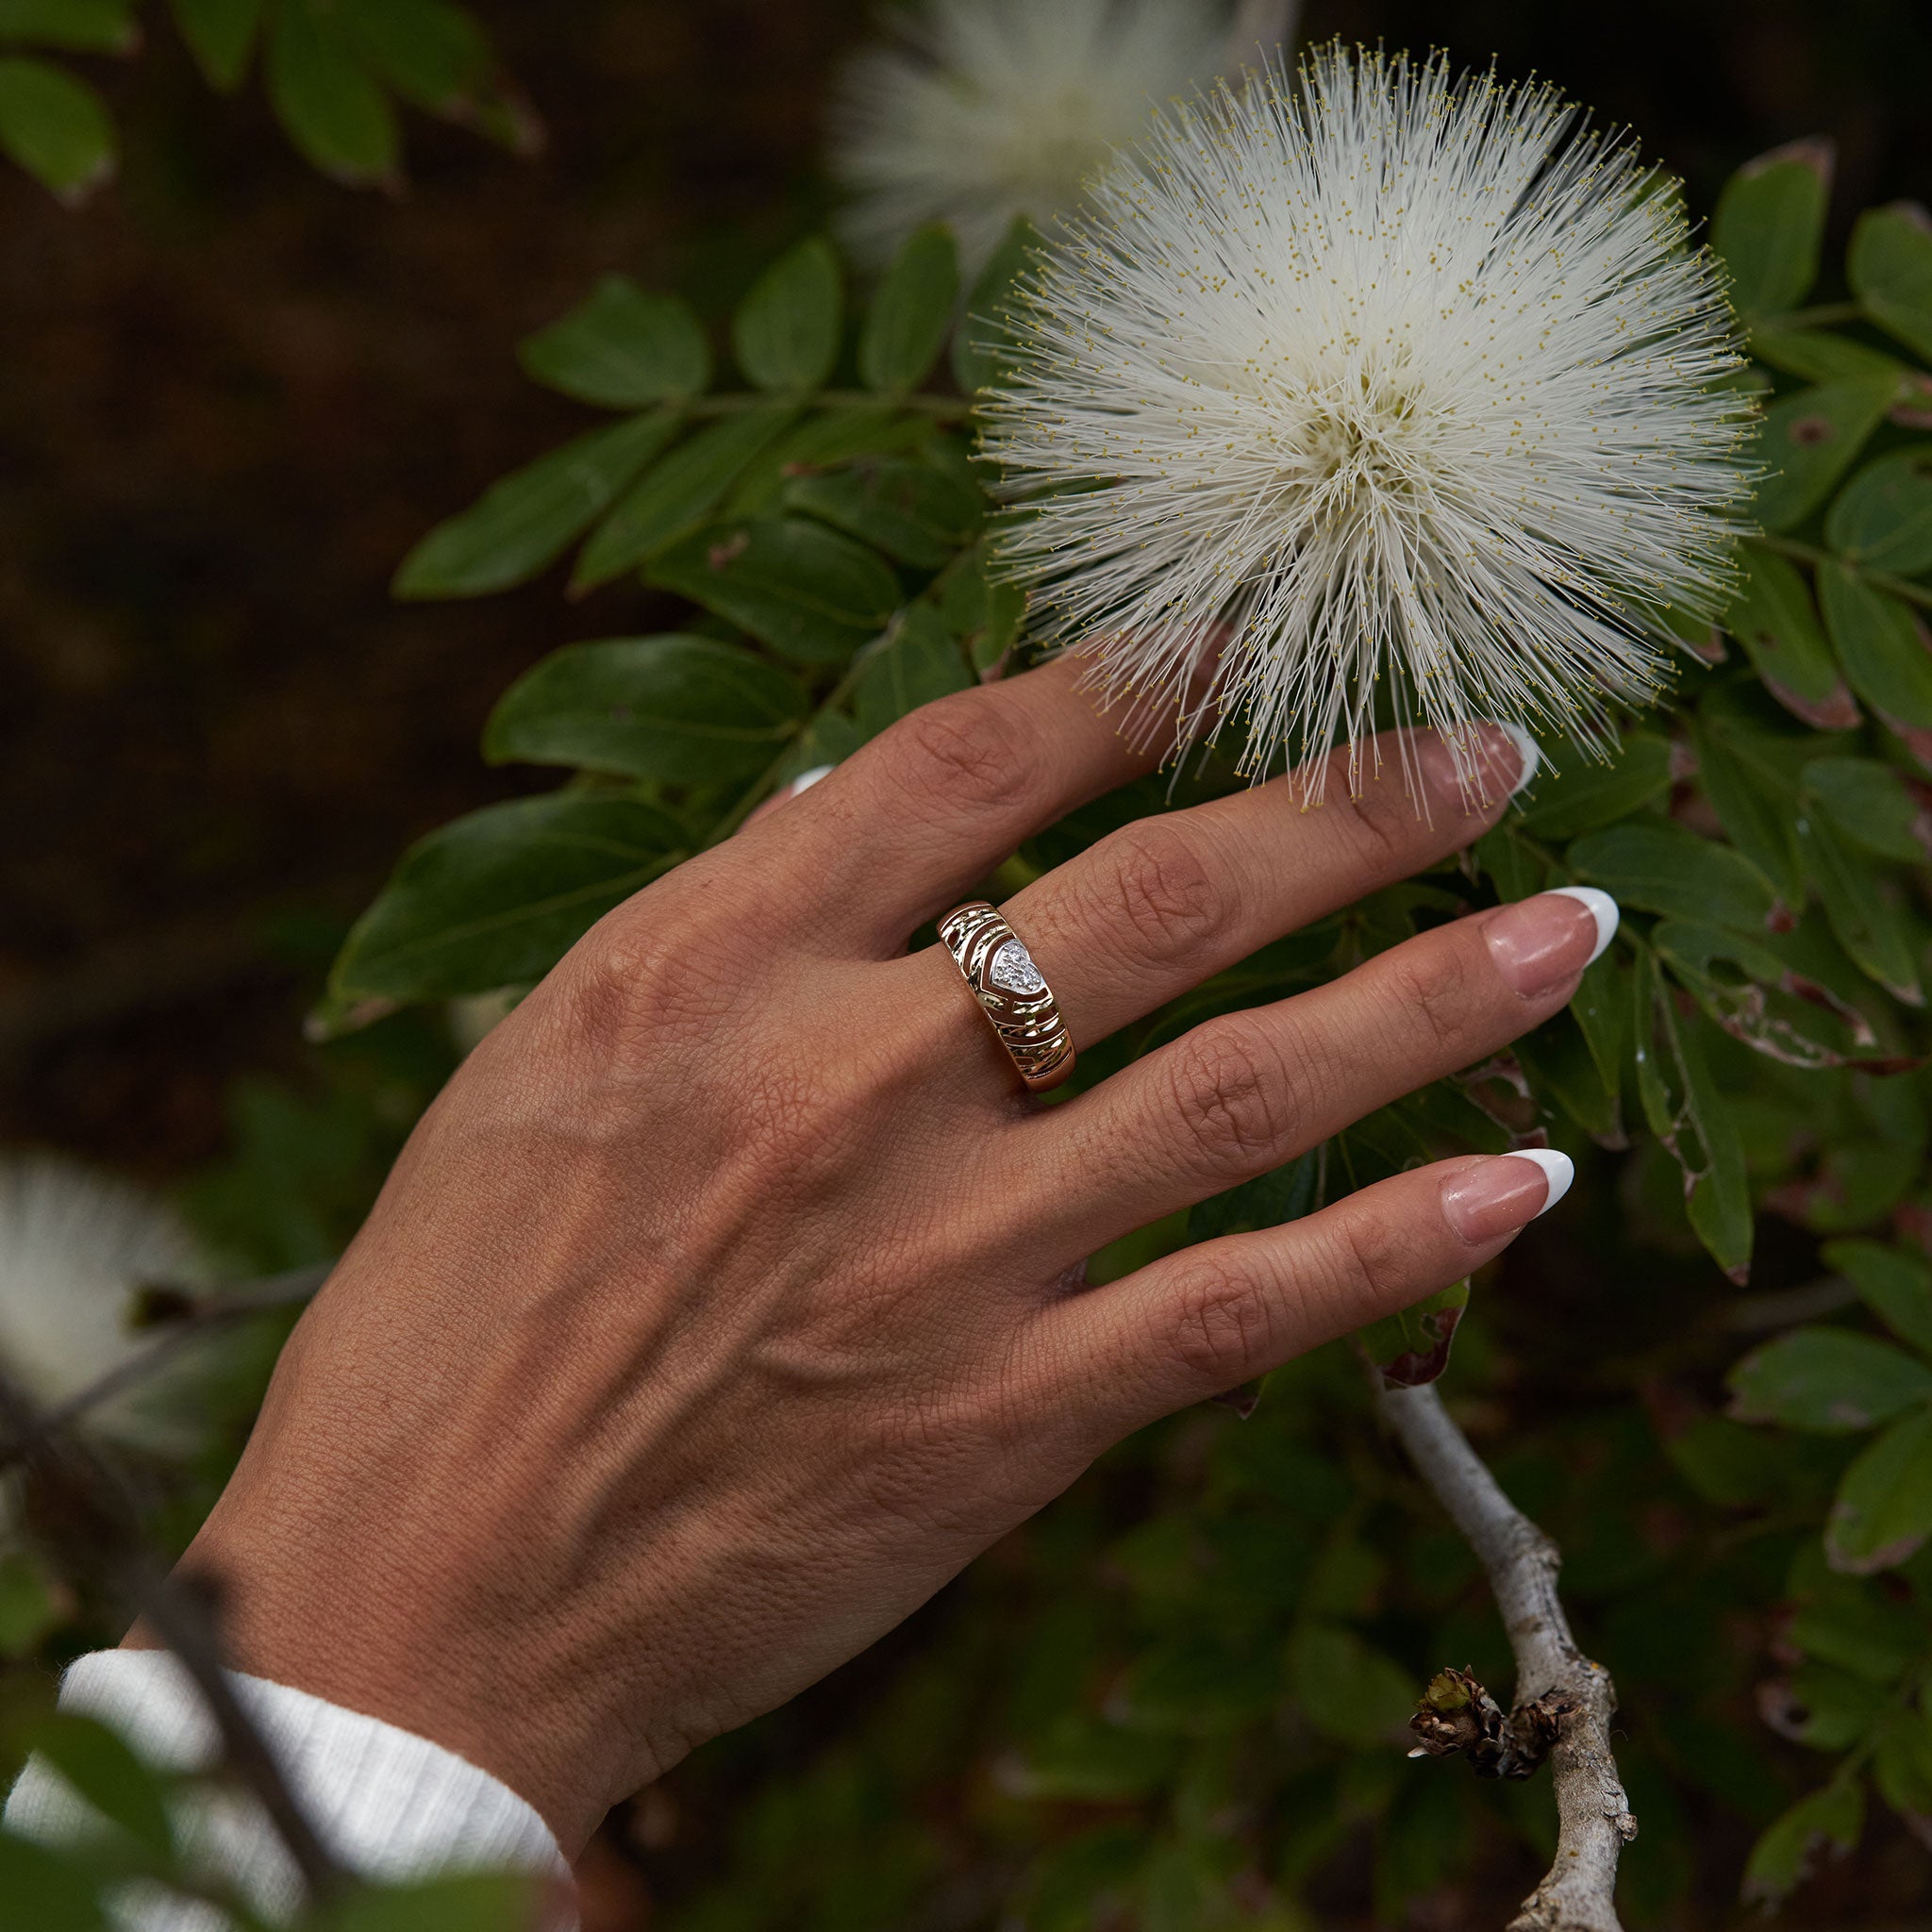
(1012,968)
(1011,993)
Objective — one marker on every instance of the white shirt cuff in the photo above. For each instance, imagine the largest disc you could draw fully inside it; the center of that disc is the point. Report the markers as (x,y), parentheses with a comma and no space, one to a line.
(387,1804)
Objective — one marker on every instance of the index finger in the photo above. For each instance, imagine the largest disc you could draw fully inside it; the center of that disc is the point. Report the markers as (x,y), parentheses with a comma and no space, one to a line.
(909,824)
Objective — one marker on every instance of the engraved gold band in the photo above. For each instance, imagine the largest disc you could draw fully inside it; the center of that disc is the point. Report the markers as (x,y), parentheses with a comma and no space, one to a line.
(1002,977)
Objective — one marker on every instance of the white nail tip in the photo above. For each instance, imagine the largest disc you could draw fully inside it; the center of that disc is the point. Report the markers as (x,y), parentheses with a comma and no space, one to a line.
(806,781)
(1527,750)
(1559,1172)
(1602,908)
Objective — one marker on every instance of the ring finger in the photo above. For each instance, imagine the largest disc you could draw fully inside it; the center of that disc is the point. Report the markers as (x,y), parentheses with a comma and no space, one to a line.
(1246,1092)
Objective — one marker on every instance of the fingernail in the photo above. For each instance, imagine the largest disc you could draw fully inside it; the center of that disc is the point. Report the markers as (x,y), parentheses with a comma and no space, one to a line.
(1603,909)
(1528,753)
(1541,942)
(806,781)
(1505,1192)
(1495,761)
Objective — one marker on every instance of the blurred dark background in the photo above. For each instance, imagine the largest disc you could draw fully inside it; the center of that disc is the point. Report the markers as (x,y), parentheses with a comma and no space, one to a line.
(237,393)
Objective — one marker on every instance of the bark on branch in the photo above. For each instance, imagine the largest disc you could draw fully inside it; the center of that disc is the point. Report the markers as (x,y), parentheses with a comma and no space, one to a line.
(1577,1893)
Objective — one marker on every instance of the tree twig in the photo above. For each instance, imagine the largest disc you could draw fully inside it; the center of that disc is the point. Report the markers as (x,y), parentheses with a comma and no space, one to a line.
(1577,1893)
(29,1429)
(93,1526)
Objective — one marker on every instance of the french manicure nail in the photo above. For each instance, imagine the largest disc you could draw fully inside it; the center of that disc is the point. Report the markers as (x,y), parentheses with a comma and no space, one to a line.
(1603,909)
(1538,943)
(1505,1192)
(1472,773)
(806,781)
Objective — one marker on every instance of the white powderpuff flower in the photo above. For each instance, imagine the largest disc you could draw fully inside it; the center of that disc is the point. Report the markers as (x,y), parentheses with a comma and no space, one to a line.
(1392,378)
(982,110)
(75,1246)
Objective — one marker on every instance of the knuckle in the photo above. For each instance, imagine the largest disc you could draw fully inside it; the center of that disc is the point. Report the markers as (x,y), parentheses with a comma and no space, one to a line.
(1377,1260)
(968,750)
(1160,887)
(1229,1095)
(1429,982)
(1384,818)
(1223,1323)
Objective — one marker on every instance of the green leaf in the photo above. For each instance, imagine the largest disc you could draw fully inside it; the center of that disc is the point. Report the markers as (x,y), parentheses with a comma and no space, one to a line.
(1833,1381)
(1412,1347)
(221,35)
(523,524)
(1769,220)
(40,1891)
(55,127)
(1776,1012)
(1773,618)
(1808,442)
(336,114)
(1832,1708)
(682,709)
(1820,356)
(1562,1072)
(983,342)
(1890,267)
(1867,923)
(104,1771)
(1667,869)
(908,321)
(1882,647)
(1270,1199)
(676,496)
(1782,1858)
(1601,1008)
(498,897)
(1693,1119)
(1895,1282)
(1598,792)
(1347,1690)
(1868,802)
(786,331)
(429,52)
(813,595)
(1882,519)
(916,514)
(986,611)
(78,26)
(1743,776)
(918,662)
(822,442)
(1853,1626)
(621,348)
(1902,1762)
(472,1902)
(1883,1511)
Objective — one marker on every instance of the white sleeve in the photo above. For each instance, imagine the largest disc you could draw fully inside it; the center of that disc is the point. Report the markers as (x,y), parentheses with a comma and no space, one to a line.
(387,1803)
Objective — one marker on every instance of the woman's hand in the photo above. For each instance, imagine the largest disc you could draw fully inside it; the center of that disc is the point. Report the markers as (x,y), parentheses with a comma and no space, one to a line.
(729,1300)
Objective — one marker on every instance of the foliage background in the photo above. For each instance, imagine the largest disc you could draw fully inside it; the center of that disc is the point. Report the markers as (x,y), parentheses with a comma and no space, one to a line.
(251,393)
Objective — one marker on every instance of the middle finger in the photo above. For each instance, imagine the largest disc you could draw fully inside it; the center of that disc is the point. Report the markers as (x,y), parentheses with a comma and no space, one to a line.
(1161,904)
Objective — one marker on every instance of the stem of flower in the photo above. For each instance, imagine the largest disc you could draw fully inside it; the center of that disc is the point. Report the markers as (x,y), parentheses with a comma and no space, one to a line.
(1821,316)
(1879,579)
(943,409)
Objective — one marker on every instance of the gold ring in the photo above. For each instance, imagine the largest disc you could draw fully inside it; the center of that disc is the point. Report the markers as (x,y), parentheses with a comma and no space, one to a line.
(1001,974)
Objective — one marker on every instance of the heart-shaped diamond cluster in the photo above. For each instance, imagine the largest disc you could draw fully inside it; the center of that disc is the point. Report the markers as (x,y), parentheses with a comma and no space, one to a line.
(1012,968)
